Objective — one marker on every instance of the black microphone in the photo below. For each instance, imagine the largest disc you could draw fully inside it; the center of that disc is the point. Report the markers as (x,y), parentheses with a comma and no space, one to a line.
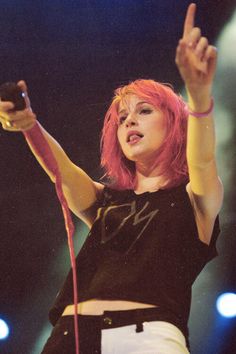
(10,91)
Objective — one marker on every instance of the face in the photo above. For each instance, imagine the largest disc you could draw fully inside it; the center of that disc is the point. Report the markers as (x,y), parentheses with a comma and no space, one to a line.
(141,130)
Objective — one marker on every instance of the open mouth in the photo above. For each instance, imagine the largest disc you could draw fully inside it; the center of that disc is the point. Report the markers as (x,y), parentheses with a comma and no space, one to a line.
(134,137)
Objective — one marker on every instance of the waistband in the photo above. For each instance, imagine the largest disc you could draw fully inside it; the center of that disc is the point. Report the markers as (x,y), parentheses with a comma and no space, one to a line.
(114,319)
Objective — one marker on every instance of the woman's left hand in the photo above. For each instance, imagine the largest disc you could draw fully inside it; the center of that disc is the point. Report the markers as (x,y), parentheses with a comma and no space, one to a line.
(195,58)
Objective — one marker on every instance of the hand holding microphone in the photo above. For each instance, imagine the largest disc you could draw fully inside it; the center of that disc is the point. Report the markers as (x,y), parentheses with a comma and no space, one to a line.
(15,112)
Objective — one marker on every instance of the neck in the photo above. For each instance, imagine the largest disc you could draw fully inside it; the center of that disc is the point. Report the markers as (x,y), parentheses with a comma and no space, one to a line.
(149,179)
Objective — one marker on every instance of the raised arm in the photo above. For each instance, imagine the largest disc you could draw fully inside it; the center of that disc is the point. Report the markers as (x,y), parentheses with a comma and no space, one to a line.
(196,60)
(80,190)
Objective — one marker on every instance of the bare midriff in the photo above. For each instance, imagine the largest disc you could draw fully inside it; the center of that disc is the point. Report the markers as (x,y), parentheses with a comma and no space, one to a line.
(97,307)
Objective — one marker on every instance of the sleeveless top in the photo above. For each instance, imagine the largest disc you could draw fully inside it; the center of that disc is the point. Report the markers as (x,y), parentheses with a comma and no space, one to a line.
(143,248)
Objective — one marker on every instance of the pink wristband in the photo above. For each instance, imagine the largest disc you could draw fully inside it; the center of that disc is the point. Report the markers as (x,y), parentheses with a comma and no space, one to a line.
(202,114)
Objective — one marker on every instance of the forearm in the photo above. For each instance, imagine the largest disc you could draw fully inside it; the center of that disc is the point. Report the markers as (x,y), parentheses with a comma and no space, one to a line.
(201,132)
(58,153)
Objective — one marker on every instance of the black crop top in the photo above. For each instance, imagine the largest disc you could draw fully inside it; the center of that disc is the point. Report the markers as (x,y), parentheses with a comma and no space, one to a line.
(143,248)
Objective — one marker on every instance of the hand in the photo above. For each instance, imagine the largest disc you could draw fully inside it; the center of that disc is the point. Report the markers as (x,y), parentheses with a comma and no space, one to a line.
(195,58)
(17,120)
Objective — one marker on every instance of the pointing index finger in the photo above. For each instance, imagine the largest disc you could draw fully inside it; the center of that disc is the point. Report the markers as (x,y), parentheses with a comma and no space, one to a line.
(189,19)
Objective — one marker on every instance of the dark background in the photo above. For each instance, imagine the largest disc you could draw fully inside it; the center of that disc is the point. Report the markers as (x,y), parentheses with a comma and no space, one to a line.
(73,54)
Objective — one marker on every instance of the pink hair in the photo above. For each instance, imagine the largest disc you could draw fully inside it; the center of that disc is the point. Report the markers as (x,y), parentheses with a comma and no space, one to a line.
(171,157)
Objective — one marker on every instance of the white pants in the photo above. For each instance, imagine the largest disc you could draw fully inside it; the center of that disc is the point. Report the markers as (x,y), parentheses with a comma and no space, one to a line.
(157,338)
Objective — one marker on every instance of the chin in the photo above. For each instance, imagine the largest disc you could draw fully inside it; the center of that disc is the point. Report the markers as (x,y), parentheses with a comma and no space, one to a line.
(138,157)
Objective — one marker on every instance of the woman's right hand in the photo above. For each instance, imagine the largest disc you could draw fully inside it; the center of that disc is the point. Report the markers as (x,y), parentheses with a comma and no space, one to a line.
(15,121)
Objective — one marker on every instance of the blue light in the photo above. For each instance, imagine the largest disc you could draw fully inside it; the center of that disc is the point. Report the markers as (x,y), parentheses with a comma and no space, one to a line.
(226,304)
(4,330)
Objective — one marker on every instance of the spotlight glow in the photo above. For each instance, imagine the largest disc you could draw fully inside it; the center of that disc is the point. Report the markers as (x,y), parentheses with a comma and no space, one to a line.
(4,330)
(226,304)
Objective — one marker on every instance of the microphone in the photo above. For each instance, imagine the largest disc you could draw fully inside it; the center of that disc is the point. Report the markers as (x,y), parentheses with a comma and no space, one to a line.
(10,91)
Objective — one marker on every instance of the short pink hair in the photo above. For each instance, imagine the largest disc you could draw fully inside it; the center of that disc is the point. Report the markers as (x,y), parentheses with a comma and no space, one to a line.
(171,157)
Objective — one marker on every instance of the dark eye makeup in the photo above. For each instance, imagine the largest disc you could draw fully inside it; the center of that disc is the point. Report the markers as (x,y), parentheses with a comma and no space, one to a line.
(145,111)
(122,119)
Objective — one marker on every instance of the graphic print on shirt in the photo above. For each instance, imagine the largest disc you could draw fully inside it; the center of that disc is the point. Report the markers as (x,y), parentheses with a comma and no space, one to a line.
(124,224)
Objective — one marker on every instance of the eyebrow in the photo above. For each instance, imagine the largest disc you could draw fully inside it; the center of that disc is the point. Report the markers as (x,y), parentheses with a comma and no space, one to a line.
(137,105)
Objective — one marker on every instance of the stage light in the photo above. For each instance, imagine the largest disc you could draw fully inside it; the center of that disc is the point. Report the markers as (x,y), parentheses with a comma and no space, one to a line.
(4,330)
(226,304)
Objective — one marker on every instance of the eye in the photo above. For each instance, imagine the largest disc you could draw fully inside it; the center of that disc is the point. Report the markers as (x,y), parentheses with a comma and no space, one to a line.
(122,119)
(145,111)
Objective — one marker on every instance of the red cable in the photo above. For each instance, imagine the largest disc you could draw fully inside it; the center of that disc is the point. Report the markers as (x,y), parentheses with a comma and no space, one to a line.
(39,143)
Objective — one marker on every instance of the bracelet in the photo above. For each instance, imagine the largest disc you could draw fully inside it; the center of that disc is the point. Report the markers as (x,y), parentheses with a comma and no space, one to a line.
(202,114)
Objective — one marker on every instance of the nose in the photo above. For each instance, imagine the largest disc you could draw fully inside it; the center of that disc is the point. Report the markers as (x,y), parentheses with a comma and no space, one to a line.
(131,120)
